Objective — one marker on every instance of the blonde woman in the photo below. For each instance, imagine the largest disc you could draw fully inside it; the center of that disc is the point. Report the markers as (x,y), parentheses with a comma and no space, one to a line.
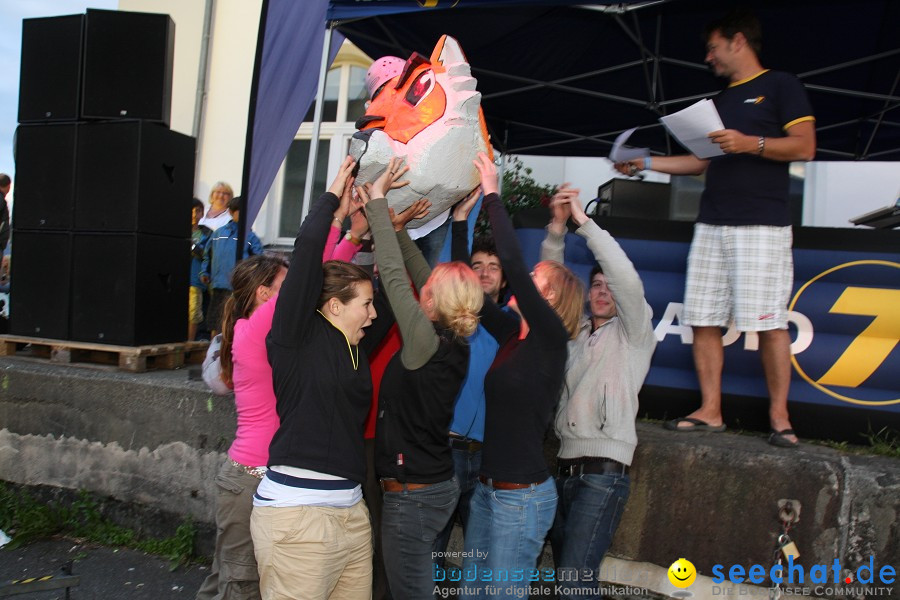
(219,197)
(418,391)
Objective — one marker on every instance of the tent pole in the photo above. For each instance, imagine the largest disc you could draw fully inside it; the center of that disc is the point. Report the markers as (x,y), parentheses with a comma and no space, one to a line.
(880,119)
(503,162)
(535,86)
(317,124)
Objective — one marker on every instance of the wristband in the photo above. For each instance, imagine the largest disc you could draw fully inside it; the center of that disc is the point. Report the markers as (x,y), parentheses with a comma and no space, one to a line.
(647,162)
(338,221)
(761,145)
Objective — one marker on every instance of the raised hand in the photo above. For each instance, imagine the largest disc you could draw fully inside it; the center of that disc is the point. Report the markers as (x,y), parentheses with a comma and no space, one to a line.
(389,179)
(346,206)
(364,192)
(560,210)
(416,210)
(464,207)
(359,224)
(579,217)
(488,172)
(344,180)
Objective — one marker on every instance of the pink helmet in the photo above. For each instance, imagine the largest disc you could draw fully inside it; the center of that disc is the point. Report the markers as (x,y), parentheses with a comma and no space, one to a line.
(382,70)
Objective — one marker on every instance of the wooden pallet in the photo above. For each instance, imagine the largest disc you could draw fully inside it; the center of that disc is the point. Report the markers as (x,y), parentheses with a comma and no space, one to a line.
(136,359)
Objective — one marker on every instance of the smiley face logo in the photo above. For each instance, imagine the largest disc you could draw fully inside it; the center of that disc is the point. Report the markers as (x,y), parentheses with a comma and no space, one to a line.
(682,573)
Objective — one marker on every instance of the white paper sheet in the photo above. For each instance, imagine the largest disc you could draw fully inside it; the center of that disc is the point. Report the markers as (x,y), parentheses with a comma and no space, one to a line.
(691,126)
(622,153)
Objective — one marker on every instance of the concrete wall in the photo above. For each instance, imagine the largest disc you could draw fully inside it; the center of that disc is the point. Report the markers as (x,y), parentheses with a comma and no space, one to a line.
(156,440)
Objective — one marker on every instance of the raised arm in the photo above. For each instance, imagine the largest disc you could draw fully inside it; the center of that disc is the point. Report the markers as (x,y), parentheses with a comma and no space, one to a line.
(420,341)
(621,276)
(554,245)
(300,291)
(334,233)
(540,316)
(416,265)
(346,249)
(459,241)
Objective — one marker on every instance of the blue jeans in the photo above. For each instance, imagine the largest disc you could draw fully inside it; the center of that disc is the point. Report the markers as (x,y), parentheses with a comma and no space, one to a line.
(410,523)
(466,466)
(506,533)
(589,510)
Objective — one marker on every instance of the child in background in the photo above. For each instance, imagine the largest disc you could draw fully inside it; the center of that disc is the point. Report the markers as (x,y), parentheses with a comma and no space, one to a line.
(199,238)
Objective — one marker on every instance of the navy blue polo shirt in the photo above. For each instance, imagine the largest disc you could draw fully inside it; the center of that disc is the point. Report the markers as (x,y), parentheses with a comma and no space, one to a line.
(746,189)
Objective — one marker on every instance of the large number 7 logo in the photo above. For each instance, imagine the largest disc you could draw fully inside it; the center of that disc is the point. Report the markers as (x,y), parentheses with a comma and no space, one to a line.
(868,351)
(872,346)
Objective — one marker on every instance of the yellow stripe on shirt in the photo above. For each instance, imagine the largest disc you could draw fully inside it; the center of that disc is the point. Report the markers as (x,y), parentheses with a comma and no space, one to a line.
(800,120)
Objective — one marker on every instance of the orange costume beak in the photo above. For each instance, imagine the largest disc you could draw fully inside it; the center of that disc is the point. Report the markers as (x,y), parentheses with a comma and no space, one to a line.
(406,105)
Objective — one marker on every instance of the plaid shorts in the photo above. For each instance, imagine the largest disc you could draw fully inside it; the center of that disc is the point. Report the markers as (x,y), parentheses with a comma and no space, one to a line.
(741,273)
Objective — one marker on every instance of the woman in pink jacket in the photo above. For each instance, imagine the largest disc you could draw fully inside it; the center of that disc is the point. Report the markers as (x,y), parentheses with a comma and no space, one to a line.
(245,368)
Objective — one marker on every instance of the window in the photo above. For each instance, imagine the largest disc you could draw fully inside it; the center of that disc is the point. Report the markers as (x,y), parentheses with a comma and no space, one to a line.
(356,101)
(295,182)
(332,93)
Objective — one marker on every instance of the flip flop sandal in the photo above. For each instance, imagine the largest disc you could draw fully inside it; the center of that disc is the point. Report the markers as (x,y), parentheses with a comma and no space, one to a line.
(696,425)
(779,438)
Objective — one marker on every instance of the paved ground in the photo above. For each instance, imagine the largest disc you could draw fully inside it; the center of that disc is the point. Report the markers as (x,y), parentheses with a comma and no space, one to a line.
(106,573)
(112,574)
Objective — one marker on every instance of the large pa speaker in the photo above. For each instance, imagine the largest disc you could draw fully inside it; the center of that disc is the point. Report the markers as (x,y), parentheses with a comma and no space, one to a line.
(129,289)
(50,78)
(45,177)
(134,176)
(638,199)
(128,65)
(39,284)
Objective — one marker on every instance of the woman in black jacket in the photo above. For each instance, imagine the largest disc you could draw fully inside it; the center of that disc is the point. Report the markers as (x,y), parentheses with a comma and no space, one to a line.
(311,533)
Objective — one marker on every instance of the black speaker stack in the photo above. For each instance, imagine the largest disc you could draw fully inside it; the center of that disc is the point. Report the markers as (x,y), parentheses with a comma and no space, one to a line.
(103,187)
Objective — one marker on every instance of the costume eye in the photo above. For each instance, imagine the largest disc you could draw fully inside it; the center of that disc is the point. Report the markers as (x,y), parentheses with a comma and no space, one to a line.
(420,88)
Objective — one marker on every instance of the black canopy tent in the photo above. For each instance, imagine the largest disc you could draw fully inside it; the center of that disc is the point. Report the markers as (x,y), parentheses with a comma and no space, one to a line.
(564,79)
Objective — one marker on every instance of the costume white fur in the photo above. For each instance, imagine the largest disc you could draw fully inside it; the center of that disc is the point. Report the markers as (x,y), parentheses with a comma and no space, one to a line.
(429,115)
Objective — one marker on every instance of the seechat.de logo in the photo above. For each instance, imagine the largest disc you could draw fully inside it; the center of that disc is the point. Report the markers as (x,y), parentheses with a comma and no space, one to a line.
(853,308)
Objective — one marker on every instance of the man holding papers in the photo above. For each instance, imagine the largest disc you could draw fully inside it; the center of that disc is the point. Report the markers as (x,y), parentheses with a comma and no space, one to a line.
(740,265)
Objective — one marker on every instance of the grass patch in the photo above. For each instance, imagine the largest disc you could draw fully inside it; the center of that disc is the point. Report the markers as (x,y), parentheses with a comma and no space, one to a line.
(884,442)
(26,519)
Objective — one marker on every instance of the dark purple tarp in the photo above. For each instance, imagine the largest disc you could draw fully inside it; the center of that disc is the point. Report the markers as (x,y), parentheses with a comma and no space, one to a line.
(287,73)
